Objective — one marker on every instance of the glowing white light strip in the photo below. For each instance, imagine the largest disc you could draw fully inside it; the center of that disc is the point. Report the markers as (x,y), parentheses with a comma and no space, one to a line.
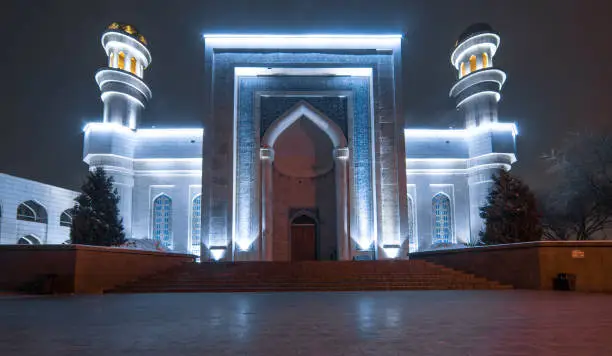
(169,172)
(478,94)
(89,156)
(127,79)
(106,94)
(272,36)
(480,76)
(129,160)
(465,133)
(165,132)
(111,169)
(380,42)
(466,161)
(258,71)
(437,160)
(106,126)
(169,160)
(443,171)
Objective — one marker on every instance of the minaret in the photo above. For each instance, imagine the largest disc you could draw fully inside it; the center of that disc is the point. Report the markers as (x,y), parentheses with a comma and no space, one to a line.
(477,92)
(479,84)
(124,92)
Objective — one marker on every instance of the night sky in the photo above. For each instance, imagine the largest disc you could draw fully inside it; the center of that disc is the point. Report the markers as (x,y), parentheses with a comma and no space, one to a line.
(556,53)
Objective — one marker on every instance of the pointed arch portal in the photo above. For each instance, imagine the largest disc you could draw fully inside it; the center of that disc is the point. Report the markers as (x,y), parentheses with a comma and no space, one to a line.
(340,154)
(303,109)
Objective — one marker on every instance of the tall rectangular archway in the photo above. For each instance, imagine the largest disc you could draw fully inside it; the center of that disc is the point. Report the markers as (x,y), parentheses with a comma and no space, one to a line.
(353,81)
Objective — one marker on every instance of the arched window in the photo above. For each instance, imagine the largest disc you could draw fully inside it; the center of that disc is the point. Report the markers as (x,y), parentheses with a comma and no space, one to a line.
(32,211)
(485,60)
(110,59)
(121,63)
(28,240)
(442,219)
(472,63)
(196,225)
(162,220)
(66,218)
(462,69)
(133,65)
(413,243)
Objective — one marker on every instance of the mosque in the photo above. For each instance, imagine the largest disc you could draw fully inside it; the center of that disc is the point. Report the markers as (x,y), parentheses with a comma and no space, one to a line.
(303,154)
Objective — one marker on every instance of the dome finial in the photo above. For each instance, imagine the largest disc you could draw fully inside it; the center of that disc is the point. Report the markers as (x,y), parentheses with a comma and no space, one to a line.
(129,30)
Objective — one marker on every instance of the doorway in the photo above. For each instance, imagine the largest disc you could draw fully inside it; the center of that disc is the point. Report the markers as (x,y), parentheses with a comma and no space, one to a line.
(303,239)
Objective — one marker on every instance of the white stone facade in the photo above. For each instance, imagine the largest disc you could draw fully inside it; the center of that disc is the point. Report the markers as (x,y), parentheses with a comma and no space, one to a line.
(44,205)
(145,164)
(306,129)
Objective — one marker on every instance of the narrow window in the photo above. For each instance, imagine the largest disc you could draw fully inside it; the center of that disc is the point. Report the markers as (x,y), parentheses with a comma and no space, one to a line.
(413,244)
(162,225)
(485,60)
(110,59)
(472,63)
(441,211)
(121,64)
(196,225)
(462,69)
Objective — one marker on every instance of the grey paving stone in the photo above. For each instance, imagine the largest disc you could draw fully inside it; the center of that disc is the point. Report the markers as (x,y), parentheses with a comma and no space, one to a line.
(470,323)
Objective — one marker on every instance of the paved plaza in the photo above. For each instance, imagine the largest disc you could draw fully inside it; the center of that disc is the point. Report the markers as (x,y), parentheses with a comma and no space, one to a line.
(359,323)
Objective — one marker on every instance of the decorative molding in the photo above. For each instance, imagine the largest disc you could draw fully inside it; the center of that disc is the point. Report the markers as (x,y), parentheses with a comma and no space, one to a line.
(266,153)
(341,153)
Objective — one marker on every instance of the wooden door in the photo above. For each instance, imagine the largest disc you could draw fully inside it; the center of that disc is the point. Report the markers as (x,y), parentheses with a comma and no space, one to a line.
(303,243)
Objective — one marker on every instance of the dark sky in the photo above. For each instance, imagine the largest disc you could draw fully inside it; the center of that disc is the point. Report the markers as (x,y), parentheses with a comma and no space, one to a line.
(557,55)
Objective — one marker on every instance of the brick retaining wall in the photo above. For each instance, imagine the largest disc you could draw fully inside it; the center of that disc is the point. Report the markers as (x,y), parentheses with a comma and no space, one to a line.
(78,268)
(533,265)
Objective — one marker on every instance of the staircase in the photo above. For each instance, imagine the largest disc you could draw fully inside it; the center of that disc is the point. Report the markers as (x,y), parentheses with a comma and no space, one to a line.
(307,276)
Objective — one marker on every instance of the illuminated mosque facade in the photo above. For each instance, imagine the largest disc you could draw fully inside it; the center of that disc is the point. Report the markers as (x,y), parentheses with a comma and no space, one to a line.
(303,154)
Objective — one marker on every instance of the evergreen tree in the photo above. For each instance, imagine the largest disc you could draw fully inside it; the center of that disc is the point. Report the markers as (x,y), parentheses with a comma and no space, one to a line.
(96,215)
(510,212)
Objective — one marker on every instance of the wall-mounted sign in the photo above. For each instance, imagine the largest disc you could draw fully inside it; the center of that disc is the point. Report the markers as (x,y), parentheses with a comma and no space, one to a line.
(577,254)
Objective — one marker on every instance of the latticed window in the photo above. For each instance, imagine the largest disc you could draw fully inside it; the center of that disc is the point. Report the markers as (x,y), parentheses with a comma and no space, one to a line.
(441,211)
(26,213)
(28,240)
(32,211)
(66,218)
(162,220)
(196,225)
(412,238)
